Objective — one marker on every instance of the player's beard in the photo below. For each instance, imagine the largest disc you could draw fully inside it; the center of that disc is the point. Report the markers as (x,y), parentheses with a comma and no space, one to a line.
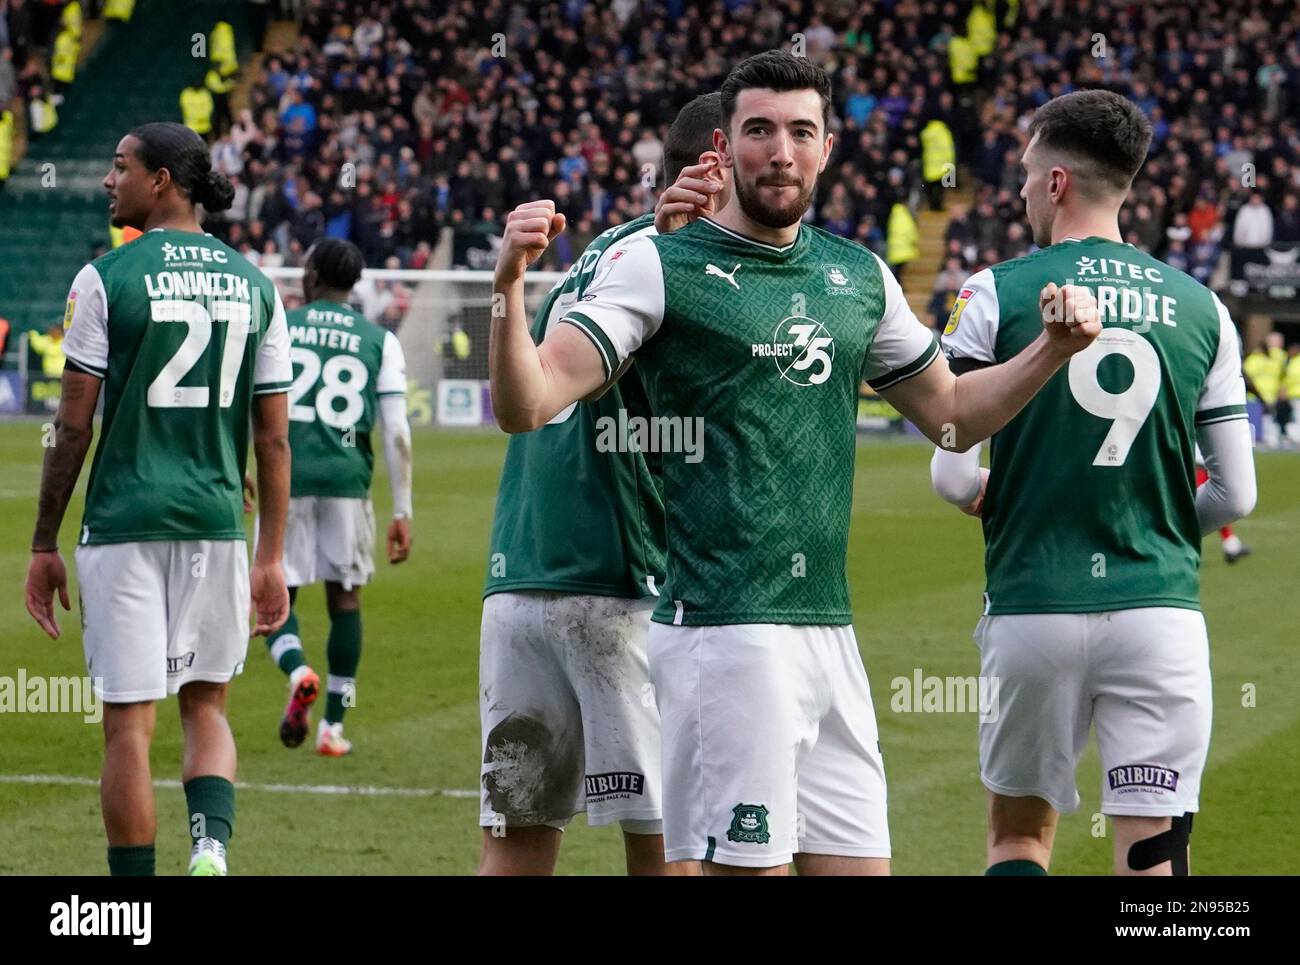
(750,196)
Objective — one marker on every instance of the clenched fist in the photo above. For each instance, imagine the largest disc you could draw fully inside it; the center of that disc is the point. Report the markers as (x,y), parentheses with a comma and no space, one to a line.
(1070,317)
(529,229)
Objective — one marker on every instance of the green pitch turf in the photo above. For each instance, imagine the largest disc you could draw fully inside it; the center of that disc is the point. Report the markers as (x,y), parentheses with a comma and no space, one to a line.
(915,570)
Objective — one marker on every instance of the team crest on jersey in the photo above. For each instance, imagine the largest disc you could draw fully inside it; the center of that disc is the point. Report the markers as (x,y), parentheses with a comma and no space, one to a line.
(802,349)
(749,824)
(837,281)
(71,310)
(962,298)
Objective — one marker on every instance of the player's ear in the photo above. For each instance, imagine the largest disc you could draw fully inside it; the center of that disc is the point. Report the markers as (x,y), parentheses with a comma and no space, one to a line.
(714,159)
(1058,179)
(826,152)
(722,147)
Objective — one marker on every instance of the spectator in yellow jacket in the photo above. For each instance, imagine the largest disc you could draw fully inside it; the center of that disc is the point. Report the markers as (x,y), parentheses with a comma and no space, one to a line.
(1288,396)
(50,348)
(1264,368)
(6,144)
(196,108)
(120,10)
(938,159)
(63,61)
(901,239)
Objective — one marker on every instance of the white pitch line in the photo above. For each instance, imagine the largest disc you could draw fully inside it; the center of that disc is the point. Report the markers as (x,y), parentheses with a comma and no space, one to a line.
(342,789)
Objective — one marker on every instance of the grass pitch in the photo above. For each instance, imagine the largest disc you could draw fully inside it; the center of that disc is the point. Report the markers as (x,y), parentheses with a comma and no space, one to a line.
(416,731)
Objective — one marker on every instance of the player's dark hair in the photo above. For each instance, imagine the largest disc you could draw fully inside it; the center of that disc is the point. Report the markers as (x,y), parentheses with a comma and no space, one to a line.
(691,134)
(777,70)
(337,263)
(1103,129)
(184,154)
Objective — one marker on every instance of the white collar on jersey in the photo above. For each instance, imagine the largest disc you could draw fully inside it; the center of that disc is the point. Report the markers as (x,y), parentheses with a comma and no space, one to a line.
(782,249)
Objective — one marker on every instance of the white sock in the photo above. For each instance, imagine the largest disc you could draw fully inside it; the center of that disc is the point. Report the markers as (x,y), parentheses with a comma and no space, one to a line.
(1232,545)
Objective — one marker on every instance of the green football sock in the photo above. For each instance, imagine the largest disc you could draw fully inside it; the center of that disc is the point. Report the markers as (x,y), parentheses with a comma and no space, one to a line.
(210,803)
(285,646)
(131,859)
(344,653)
(1030,869)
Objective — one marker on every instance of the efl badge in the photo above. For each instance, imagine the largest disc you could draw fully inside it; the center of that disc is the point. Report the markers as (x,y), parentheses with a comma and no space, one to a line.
(962,298)
(70,310)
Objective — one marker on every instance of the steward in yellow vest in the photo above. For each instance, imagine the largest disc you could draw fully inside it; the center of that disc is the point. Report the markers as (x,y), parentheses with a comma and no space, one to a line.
(119,9)
(63,62)
(196,109)
(221,48)
(938,158)
(6,144)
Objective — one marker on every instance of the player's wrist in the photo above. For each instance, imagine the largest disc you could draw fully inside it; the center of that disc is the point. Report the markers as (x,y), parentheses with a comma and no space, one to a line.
(506,277)
(1055,351)
(45,549)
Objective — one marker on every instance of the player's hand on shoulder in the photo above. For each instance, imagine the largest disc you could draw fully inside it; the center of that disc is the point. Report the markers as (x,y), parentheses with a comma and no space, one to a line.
(45,574)
(530,228)
(691,196)
(1070,316)
(399,540)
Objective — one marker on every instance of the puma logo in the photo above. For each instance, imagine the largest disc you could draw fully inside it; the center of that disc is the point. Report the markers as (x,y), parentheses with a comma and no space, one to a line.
(711,269)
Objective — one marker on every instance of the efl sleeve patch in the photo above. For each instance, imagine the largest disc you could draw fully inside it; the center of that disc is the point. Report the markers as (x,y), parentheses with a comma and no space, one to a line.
(71,310)
(954,317)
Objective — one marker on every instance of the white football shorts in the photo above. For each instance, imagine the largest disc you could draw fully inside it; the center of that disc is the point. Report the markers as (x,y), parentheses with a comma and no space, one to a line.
(568,715)
(329,539)
(158,615)
(1143,675)
(770,744)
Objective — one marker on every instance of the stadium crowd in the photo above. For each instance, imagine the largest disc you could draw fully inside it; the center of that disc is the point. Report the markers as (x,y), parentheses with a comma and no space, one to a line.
(390,122)
(450,114)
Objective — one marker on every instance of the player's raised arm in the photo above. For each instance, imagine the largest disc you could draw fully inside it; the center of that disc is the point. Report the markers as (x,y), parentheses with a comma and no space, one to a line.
(531,383)
(622,307)
(955,413)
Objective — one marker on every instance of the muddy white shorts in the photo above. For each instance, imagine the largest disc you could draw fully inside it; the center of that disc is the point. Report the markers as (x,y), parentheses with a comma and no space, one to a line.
(769,744)
(158,615)
(568,715)
(1142,675)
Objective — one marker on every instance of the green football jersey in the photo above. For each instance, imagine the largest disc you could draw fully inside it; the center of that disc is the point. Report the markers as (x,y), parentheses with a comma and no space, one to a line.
(752,356)
(343,364)
(573,514)
(1091,498)
(184,332)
